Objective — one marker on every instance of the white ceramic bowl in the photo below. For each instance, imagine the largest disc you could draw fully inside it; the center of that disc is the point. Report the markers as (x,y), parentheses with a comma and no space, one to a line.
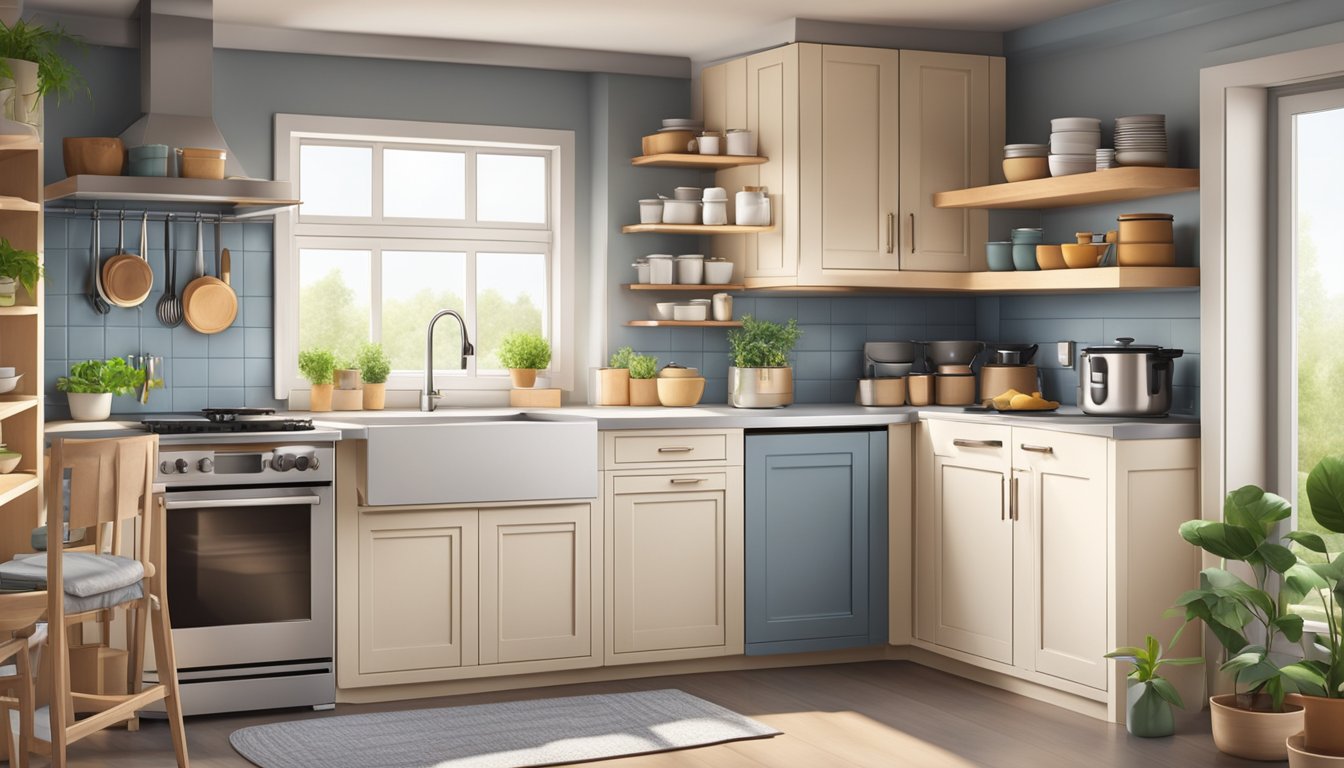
(651,211)
(1075,124)
(1067,165)
(1025,150)
(718,272)
(681,211)
(1141,158)
(9,460)
(662,310)
(8,384)
(692,312)
(686,193)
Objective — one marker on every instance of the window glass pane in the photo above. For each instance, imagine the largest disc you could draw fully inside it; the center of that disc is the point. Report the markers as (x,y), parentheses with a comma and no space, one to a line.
(511,188)
(424,184)
(416,284)
(1319,253)
(333,300)
(510,296)
(335,181)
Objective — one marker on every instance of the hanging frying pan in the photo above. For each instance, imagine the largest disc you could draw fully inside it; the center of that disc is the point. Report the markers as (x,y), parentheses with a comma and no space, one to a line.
(128,278)
(208,303)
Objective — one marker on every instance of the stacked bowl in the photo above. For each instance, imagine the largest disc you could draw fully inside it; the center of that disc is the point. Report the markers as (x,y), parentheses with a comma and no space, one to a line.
(1025,240)
(1141,140)
(1074,142)
(1023,162)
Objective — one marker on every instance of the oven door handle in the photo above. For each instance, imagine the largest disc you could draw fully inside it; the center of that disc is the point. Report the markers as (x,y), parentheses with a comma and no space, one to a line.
(267,501)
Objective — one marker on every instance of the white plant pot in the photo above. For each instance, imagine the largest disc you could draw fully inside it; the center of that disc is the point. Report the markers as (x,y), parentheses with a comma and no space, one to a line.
(18,97)
(8,288)
(87,406)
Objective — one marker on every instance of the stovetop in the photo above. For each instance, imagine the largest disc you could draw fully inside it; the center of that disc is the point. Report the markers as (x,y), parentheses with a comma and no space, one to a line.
(225,421)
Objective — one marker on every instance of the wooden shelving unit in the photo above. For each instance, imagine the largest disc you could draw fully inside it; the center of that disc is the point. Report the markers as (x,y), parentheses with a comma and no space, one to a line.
(695,229)
(684,323)
(1109,186)
(1088,280)
(18,311)
(706,162)
(683,287)
(15,485)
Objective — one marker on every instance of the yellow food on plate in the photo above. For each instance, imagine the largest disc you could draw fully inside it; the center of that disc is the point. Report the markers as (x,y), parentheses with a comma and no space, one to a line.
(1022,402)
(1004,401)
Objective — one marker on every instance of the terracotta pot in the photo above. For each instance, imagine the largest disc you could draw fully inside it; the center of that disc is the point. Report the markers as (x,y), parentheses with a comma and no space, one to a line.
(346,378)
(1147,714)
(613,386)
(1323,724)
(320,399)
(523,378)
(644,392)
(1251,734)
(1301,757)
(347,400)
(374,396)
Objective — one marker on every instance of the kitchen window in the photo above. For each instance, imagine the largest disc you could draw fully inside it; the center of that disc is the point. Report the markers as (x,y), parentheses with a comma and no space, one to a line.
(401,219)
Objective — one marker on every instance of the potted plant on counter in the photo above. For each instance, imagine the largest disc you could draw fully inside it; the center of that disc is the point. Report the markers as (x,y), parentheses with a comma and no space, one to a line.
(1149,695)
(374,368)
(31,66)
(91,384)
(643,380)
(346,385)
(17,267)
(1255,721)
(611,386)
(317,367)
(524,353)
(760,376)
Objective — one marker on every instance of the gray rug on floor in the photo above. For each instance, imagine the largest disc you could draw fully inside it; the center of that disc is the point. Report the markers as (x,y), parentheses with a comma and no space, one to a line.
(512,734)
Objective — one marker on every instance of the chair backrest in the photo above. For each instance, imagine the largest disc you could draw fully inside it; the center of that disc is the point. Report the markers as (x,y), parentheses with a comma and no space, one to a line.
(111,480)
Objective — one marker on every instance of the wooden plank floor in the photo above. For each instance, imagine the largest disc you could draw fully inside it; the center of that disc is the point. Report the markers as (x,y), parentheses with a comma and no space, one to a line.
(883,714)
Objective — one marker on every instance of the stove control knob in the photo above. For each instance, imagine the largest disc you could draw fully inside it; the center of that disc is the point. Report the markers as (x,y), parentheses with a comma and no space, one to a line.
(312,463)
(283,462)
(206,465)
(302,463)
(181,466)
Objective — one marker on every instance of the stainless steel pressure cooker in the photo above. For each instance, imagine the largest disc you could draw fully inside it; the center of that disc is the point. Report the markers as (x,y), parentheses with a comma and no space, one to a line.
(1127,379)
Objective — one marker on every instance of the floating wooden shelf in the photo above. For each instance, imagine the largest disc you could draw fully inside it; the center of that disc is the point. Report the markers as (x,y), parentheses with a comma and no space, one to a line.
(678,287)
(15,484)
(19,310)
(8,203)
(247,197)
(1087,280)
(710,162)
(11,405)
(1108,186)
(684,323)
(695,229)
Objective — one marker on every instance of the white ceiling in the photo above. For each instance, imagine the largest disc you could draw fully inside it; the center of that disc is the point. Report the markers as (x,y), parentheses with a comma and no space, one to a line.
(689,28)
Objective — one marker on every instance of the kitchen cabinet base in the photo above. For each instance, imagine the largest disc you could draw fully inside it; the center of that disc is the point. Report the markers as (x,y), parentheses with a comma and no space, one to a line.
(809,645)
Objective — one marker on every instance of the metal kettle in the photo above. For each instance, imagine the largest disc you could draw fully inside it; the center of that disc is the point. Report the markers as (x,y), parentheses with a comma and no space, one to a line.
(1126,379)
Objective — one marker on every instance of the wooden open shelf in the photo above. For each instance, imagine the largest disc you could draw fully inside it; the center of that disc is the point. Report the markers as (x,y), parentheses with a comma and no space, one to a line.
(707,162)
(18,310)
(11,405)
(15,484)
(695,229)
(678,287)
(10,203)
(684,323)
(1108,186)
(1087,280)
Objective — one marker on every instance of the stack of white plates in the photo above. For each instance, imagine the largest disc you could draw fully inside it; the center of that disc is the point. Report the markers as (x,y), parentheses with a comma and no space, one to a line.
(1074,142)
(1105,159)
(1025,150)
(681,124)
(1141,140)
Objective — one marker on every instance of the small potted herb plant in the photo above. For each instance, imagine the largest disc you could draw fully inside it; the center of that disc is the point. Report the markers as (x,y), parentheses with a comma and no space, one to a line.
(17,266)
(524,353)
(374,368)
(613,382)
(643,380)
(91,384)
(317,366)
(1151,696)
(760,376)
(32,66)
(346,385)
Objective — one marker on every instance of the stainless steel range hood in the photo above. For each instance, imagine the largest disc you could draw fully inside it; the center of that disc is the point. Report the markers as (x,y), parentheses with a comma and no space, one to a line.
(176,95)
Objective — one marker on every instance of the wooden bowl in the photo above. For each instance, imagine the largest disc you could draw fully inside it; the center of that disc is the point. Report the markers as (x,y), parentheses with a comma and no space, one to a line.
(1079,256)
(1025,168)
(95,155)
(1050,257)
(1146,254)
(680,392)
(667,142)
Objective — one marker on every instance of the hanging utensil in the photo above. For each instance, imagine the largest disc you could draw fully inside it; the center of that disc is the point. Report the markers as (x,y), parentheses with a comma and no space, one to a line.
(96,297)
(210,305)
(127,278)
(169,308)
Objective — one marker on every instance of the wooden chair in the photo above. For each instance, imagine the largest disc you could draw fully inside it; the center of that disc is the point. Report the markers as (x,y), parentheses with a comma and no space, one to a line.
(110,488)
(19,613)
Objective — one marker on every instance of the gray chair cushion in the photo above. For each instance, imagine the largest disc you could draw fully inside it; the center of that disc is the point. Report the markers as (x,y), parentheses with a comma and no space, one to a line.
(84,573)
(76,604)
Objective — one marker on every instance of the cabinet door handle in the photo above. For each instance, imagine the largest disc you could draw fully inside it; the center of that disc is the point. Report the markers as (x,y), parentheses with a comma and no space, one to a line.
(675,449)
(1002,516)
(912,233)
(891,233)
(1012,499)
(1038,448)
(964,443)
(687,480)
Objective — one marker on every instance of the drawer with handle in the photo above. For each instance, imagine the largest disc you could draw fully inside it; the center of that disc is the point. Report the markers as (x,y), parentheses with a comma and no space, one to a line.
(672,447)
(957,438)
(668,483)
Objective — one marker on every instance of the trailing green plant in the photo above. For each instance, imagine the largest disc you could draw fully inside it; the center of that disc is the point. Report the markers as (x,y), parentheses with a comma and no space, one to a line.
(1325,492)
(1149,659)
(98,376)
(643,367)
(525,349)
(373,363)
(1228,605)
(40,44)
(20,264)
(621,358)
(317,365)
(763,344)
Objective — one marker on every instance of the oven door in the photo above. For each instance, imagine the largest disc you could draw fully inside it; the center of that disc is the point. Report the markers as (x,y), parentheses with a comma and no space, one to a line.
(250,574)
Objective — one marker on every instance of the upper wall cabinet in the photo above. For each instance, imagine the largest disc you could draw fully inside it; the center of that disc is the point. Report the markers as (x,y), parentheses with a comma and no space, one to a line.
(858,140)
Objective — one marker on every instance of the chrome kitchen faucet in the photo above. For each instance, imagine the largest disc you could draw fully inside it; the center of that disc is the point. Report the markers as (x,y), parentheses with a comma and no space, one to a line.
(430,394)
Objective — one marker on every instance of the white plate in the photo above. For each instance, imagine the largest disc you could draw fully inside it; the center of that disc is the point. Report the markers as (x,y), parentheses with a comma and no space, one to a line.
(666,130)
(1141,119)
(681,122)
(1075,124)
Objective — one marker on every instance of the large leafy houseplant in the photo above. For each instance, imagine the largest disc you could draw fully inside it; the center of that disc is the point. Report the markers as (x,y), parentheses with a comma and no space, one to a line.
(41,45)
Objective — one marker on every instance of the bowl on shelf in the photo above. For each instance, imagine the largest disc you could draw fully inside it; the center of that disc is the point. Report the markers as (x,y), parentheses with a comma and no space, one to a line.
(667,142)
(1024,257)
(689,313)
(1146,254)
(95,155)
(999,254)
(681,211)
(8,383)
(1025,168)
(663,310)
(651,210)
(1068,165)
(9,460)
(1078,256)
(718,271)
(1050,257)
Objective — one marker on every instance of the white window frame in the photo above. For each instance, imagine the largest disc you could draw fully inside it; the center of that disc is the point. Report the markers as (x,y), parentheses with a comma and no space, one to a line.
(557,237)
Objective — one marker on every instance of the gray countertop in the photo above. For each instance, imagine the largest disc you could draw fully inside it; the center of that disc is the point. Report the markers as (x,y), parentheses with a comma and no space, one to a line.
(353,425)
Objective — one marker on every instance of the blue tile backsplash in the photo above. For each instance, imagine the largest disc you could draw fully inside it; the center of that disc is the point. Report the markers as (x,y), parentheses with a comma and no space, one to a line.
(231,368)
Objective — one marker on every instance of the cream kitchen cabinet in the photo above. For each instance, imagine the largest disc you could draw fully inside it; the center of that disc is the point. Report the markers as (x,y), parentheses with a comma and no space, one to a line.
(1038,551)
(858,140)
(673,545)
(452,593)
